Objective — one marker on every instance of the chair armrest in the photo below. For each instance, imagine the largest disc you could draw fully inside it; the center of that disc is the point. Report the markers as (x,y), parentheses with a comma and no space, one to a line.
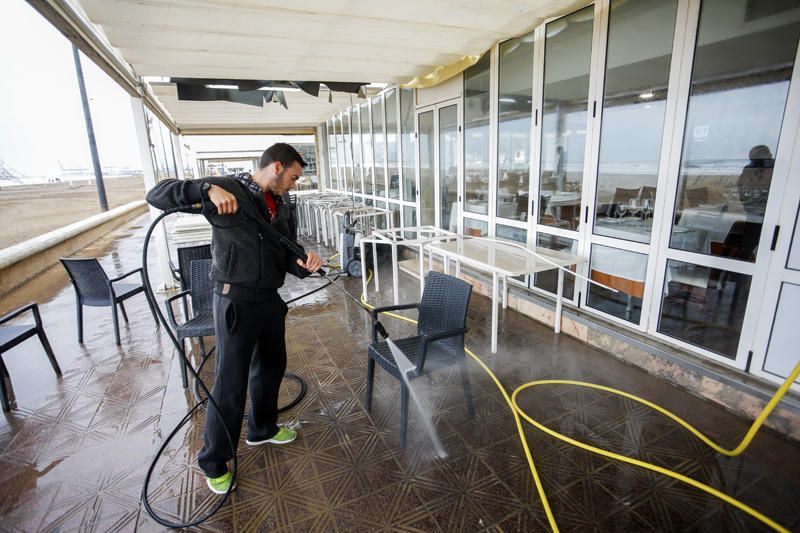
(15,313)
(114,280)
(378,310)
(427,339)
(170,311)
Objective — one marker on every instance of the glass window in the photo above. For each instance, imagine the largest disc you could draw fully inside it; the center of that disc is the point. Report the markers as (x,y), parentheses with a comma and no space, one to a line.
(391,143)
(548,280)
(793,261)
(514,128)
(512,233)
(621,270)
(357,161)
(568,46)
(409,217)
(638,60)
(407,140)
(740,80)
(395,208)
(476,137)
(448,167)
(475,228)
(427,162)
(379,139)
(334,165)
(366,137)
(340,156)
(704,306)
(381,224)
(348,150)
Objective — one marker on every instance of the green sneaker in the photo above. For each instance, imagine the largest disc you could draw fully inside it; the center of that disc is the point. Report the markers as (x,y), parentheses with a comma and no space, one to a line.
(283,436)
(219,485)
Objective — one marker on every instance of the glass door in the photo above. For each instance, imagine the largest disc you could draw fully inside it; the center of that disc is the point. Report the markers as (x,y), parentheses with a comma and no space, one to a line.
(439,165)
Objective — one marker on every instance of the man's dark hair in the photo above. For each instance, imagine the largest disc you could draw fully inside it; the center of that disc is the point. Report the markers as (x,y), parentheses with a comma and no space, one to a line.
(285,153)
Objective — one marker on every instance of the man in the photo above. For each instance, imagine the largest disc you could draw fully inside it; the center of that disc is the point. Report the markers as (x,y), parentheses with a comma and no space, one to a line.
(248,267)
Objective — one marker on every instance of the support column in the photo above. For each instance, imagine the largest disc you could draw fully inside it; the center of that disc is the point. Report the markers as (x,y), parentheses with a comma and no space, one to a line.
(159,235)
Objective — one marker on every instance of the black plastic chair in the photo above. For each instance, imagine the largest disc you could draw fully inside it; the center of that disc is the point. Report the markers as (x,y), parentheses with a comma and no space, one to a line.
(94,289)
(439,342)
(10,336)
(201,323)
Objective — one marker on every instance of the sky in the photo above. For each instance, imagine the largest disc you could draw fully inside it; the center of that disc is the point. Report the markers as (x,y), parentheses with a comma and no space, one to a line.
(41,117)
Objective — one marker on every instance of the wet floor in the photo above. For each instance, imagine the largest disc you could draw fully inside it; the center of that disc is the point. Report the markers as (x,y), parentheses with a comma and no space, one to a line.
(74,451)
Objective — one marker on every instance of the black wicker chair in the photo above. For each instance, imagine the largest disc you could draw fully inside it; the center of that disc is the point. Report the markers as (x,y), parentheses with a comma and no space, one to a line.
(201,323)
(94,289)
(439,342)
(186,255)
(10,336)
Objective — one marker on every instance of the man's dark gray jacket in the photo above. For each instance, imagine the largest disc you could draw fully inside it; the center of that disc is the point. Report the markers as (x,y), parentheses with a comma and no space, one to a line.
(244,253)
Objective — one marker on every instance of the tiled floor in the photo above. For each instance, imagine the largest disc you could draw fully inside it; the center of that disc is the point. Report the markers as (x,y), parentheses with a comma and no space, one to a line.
(74,452)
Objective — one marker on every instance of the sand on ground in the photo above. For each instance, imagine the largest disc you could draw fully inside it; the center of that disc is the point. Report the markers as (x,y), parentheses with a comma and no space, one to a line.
(27,211)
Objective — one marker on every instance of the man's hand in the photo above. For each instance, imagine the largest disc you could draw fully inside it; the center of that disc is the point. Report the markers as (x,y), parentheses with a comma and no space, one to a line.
(313,262)
(224,201)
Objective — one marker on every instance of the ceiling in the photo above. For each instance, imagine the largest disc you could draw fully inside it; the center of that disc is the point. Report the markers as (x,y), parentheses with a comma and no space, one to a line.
(386,41)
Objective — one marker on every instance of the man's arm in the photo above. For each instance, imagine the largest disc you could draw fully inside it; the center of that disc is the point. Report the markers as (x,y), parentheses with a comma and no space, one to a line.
(172,193)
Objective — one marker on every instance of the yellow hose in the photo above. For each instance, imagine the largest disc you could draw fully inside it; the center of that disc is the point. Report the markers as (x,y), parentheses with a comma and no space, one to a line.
(518,412)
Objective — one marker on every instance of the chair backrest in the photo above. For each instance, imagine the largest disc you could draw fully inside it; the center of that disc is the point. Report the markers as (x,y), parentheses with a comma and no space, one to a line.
(89,279)
(185,257)
(202,287)
(444,307)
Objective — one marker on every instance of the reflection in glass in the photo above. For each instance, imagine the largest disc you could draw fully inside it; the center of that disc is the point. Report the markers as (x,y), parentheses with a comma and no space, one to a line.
(427,162)
(514,128)
(476,137)
(475,228)
(548,280)
(621,270)
(366,138)
(568,46)
(740,80)
(348,150)
(448,167)
(704,306)
(357,162)
(637,74)
(407,144)
(379,140)
(512,233)
(391,143)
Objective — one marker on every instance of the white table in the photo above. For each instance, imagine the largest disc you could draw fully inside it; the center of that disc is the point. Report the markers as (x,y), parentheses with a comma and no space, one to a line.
(414,237)
(505,260)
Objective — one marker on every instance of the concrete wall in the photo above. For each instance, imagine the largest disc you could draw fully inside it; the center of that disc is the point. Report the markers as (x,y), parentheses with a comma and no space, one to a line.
(21,262)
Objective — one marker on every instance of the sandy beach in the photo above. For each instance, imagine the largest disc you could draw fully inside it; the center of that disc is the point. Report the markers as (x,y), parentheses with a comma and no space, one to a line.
(27,211)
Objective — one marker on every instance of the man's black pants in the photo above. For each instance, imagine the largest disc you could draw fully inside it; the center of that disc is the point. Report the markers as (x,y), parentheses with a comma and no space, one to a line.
(251,354)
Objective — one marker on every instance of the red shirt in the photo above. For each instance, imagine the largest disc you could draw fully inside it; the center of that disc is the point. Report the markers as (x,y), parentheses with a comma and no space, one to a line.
(273,207)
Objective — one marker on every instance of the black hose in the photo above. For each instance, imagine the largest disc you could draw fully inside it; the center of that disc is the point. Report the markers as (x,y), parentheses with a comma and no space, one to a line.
(294,250)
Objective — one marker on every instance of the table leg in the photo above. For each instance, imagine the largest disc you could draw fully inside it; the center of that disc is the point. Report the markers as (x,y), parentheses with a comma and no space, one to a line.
(505,292)
(557,326)
(494,313)
(363,270)
(446,261)
(458,268)
(395,275)
(375,266)
(421,270)
(430,261)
